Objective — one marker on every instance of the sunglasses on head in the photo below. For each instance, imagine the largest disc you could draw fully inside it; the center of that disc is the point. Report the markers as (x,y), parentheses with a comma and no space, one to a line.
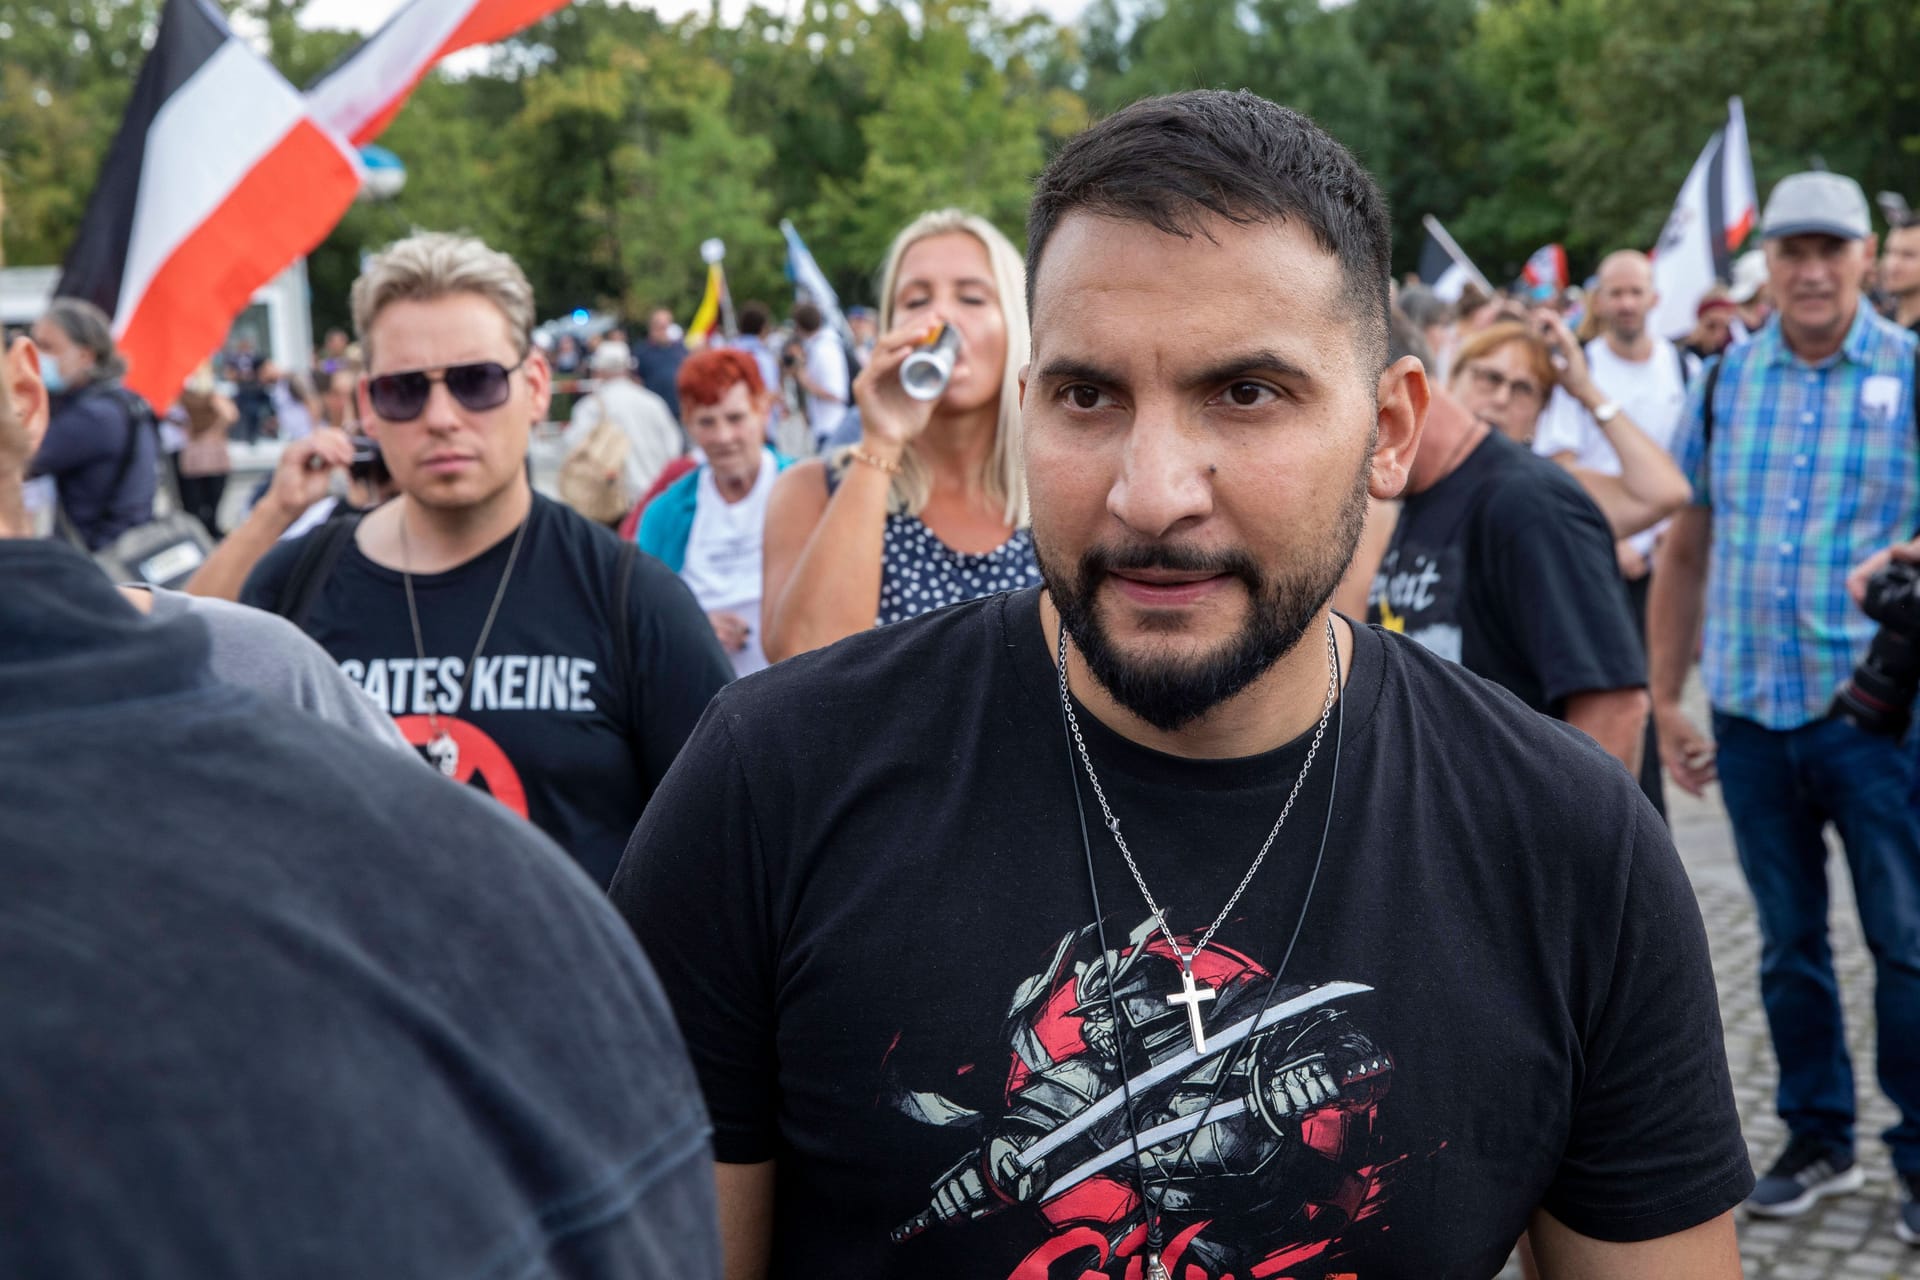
(402,397)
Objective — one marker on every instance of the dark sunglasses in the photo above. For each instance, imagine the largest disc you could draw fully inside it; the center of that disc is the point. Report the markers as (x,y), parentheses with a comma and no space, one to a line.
(401,397)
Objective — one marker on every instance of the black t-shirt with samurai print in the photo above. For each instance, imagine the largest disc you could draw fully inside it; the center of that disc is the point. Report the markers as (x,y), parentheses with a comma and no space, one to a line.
(864,888)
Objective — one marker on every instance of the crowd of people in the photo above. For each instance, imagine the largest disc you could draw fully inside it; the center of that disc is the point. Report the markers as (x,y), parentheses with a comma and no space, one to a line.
(826,834)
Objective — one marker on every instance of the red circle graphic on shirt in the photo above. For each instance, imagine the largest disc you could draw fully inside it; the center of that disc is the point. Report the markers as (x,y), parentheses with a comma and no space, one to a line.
(482,763)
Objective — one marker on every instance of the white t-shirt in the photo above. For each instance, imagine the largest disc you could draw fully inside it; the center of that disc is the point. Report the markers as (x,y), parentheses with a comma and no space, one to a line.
(653,438)
(827,369)
(722,567)
(1652,392)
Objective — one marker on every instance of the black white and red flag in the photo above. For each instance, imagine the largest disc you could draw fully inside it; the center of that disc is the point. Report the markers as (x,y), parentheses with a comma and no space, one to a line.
(1445,267)
(223,173)
(1711,218)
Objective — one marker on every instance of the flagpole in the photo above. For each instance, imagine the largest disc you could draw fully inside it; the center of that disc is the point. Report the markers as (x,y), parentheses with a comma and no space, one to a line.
(1438,232)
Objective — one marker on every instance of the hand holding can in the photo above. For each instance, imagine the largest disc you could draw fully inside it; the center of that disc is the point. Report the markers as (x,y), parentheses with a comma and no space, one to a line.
(891,414)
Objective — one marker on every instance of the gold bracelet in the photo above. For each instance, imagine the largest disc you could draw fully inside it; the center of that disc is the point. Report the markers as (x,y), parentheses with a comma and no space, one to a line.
(874,460)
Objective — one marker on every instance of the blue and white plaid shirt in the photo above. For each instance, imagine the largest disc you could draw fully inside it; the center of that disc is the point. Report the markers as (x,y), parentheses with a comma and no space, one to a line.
(1811,469)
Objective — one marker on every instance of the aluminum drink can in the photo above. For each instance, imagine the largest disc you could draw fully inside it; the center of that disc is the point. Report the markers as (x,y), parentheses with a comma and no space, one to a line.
(930,367)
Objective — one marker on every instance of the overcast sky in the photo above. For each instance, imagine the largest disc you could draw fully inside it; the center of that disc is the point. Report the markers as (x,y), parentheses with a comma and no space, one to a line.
(368,14)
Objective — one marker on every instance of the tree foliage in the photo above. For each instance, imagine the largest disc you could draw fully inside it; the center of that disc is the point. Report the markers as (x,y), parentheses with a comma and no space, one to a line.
(603,145)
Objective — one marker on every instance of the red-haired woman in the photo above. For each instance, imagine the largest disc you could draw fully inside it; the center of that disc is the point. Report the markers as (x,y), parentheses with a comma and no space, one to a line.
(707,526)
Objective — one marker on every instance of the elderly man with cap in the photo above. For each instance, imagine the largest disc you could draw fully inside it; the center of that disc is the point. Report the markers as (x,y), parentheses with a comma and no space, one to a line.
(1800,445)
(653,438)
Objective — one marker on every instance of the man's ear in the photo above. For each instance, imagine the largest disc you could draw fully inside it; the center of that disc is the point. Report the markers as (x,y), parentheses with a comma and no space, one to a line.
(539,376)
(369,424)
(26,390)
(1403,397)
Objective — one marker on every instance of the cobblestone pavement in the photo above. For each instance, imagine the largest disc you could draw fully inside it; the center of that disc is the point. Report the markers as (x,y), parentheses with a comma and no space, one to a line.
(1847,1237)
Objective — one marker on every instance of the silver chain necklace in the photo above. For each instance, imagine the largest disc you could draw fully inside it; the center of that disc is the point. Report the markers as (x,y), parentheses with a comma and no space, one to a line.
(442,750)
(1193,995)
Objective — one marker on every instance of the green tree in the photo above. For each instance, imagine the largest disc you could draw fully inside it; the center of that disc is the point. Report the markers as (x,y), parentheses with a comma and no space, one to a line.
(1615,178)
(66,71)
(1821,81)
(1435,136)
(951,126)
(804,83)
(1520,55)
(622,164)
(1296,52)
(602,145)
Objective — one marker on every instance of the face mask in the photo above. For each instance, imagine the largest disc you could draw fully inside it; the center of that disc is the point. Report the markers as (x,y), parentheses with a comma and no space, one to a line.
(50,374)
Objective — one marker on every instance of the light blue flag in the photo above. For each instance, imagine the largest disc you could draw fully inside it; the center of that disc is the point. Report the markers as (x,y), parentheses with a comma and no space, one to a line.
(810,282)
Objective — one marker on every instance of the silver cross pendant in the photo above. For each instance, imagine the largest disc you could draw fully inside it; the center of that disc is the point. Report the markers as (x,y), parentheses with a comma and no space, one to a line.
(1192,996)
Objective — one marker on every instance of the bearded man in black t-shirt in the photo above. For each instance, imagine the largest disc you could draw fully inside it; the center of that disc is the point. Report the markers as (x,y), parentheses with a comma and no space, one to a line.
(1163,923)
(521,647)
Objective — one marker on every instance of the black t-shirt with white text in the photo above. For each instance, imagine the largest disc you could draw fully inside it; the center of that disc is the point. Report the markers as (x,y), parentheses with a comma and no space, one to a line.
(864,887)
(550,726)
(1507,568)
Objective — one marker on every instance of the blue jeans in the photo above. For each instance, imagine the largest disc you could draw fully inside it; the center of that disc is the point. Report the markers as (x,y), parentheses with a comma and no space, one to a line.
(1781,788)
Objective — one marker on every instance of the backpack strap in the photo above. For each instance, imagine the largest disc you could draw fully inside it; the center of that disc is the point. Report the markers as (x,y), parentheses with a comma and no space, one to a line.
(1680,363)
(1713,380)
(1706,400)
(136,418)
(319,552)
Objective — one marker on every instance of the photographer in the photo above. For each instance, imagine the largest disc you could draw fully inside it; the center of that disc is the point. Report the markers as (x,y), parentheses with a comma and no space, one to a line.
(299,497)
(818,364)
(1879,696)
(1800,446)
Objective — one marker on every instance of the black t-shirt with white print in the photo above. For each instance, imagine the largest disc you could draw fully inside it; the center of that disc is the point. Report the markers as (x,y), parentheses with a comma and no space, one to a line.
(864,887)
(556,725)
(1507,567)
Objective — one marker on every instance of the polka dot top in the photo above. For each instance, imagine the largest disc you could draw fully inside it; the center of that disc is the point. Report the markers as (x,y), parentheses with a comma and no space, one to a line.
(919,573)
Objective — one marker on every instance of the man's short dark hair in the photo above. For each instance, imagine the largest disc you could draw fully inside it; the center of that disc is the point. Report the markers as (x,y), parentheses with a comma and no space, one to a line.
(753,319)
(807,318)
(1172,160)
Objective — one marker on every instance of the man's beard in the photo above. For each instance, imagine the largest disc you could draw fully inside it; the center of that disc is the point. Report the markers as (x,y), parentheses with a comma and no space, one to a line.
(1169,693)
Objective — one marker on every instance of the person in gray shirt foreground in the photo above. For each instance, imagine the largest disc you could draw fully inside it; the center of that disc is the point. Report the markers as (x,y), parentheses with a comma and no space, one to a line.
(276,1007)
(264,652)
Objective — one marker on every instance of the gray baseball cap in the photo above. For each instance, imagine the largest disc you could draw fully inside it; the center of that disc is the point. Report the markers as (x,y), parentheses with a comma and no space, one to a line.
(1816,204)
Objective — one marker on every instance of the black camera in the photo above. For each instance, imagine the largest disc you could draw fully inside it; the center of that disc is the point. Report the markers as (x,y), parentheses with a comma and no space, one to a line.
(368,464)
(1878,697)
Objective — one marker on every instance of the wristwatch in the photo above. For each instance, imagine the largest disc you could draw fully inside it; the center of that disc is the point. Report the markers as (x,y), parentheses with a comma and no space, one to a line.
(1605,413)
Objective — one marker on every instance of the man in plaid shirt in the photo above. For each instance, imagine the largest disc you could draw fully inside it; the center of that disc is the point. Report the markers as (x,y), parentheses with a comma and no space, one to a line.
(1804,464)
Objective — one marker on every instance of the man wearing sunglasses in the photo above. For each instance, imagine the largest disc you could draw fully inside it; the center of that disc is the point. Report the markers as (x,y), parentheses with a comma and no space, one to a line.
(523,649)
